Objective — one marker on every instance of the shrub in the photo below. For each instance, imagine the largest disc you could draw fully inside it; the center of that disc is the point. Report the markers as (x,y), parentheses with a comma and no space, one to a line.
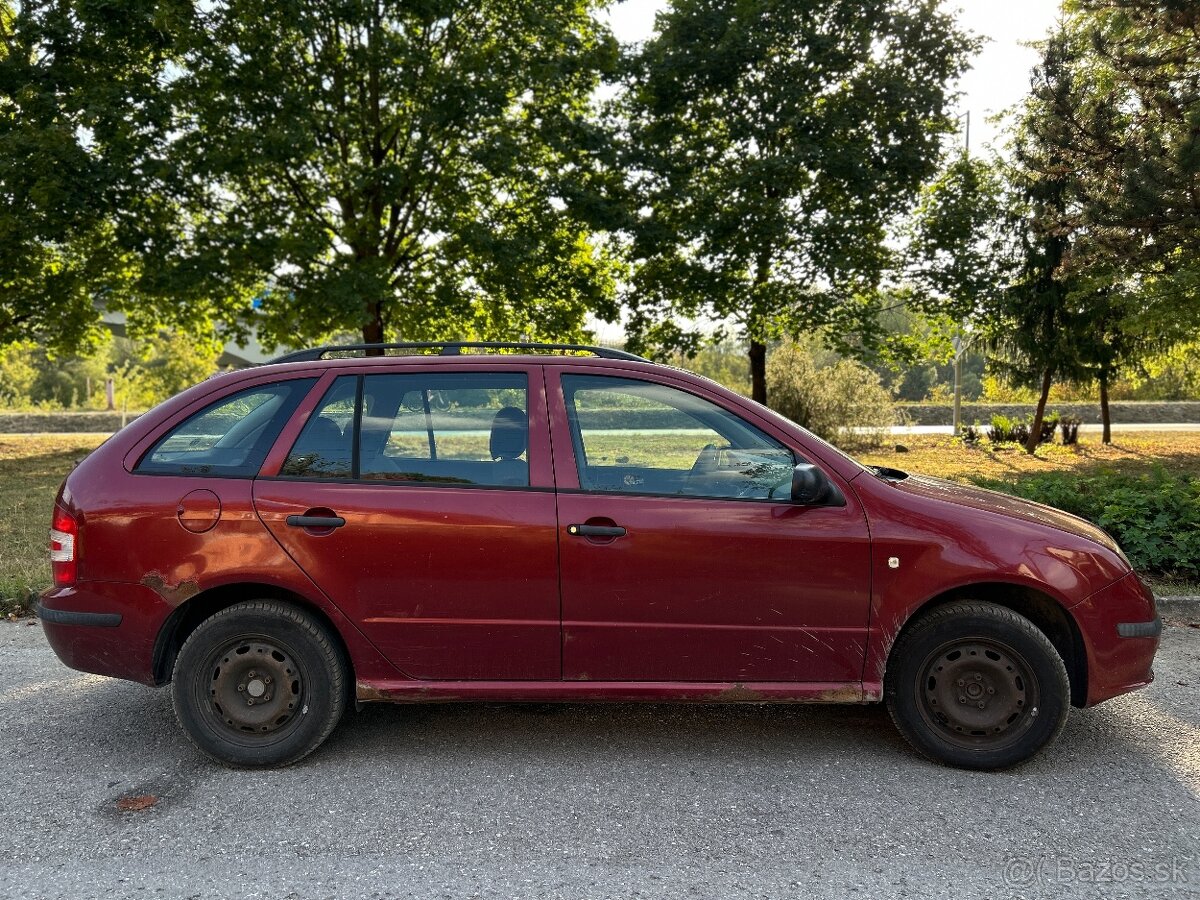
(1155,518)
(1005,430)
(1069,426)
(843,402)
(1049,426)
(1001,430)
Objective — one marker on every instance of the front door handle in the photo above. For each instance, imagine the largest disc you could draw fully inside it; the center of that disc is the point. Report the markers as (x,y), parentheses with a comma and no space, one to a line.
(316,521)
(596,530)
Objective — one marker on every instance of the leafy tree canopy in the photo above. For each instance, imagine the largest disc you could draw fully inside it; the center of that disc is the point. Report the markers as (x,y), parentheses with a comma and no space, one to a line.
(1118,94)
(773,143)
(396,170)
(1105,174)
(405,170)
(961,244)
(80,104)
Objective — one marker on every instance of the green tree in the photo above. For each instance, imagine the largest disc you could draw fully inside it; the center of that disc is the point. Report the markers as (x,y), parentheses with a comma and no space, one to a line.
(80,109)
(772,142)
(161,366)
(1031,321)
(1086,317)
(407,170)
(960,251)
(1126,114)
(18,374)
(1032,329)
(725,363)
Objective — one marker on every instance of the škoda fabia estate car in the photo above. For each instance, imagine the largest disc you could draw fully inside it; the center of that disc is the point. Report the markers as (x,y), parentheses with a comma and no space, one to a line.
(542,525)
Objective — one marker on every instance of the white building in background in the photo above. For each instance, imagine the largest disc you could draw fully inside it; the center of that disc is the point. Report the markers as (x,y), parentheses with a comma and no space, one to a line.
(232,356)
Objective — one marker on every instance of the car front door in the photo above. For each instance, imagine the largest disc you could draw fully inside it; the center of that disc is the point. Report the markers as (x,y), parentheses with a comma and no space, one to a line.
(682,555)
(420,500)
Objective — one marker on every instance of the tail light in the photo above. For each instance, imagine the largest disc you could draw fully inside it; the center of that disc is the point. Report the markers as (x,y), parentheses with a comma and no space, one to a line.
(64,547)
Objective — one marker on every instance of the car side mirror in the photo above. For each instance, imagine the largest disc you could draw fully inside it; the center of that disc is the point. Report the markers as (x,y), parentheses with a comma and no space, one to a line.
(812,487)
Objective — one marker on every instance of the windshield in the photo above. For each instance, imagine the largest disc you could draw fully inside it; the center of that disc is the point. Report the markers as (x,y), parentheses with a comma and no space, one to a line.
(826,449)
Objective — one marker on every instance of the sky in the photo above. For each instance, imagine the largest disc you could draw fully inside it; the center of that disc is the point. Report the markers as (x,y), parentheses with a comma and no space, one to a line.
(1000,73)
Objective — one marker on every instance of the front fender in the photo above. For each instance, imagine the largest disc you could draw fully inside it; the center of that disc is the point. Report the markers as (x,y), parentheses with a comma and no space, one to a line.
(924,548)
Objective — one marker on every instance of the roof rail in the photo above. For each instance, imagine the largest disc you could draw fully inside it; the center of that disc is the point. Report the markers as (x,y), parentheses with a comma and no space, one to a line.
(450,348)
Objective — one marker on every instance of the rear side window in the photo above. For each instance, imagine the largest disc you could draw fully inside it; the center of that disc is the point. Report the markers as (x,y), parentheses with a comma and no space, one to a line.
(429,428)
(229,438)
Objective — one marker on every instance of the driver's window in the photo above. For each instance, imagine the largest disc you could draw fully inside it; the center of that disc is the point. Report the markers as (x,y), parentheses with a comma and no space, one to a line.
(641,437)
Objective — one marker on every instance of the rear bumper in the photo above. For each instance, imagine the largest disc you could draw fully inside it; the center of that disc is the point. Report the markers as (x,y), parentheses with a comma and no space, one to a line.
(1121,631)
(104,627)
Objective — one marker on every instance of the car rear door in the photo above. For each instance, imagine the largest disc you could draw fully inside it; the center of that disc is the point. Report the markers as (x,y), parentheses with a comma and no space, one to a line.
(420,499)
(682,556)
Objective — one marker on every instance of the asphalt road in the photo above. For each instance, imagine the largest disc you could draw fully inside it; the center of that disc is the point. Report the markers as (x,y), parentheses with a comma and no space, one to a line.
(601,801)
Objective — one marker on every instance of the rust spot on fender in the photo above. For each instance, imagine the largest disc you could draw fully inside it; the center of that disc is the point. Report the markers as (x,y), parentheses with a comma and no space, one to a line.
(367,693)
(173,594)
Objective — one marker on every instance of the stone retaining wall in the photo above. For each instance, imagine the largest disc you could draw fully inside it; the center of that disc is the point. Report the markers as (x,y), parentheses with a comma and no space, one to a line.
(1123,411)
(63,422)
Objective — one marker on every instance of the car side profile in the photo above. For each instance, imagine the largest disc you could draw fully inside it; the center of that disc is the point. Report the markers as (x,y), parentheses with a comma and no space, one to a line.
(445,522)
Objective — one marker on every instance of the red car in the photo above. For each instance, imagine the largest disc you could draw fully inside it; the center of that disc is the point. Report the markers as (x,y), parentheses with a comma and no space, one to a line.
(280,542)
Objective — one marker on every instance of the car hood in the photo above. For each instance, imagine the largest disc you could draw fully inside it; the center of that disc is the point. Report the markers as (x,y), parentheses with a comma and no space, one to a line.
(1008,505)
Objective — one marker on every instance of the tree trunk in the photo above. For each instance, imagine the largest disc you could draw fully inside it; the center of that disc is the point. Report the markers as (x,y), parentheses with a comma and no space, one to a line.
(1035,431)
(758,350)
(758,371)
(1105,417)
(372,331)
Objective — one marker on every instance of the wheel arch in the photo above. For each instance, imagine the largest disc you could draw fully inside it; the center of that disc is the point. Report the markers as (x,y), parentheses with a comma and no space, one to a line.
(185,618)
(1046,613)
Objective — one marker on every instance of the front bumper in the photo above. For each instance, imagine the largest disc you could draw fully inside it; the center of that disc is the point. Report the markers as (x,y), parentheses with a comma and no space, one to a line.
(1121,630)
(104,627)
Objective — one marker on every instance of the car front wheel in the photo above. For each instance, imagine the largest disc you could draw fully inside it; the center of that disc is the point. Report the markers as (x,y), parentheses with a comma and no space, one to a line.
(977,685)
(259,683)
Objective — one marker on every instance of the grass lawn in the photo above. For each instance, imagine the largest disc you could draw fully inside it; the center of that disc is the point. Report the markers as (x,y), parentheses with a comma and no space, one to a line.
(1131,453)
(31,469)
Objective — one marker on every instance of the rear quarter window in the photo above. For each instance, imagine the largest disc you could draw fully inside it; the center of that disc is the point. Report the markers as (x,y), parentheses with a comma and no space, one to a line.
(230,437)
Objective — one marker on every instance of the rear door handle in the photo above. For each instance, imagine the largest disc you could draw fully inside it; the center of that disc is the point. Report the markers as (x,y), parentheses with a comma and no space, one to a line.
(316,521)
(596,530)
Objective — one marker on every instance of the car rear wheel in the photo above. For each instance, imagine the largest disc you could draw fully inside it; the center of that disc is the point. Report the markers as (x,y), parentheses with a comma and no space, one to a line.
(977,685)
(260,683)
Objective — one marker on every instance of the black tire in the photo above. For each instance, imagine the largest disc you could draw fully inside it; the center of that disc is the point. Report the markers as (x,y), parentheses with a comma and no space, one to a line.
(259,683)
(977,686)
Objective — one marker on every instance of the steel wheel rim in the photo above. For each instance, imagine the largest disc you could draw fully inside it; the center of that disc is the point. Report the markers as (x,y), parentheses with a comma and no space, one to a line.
(252,690)
(978,693)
